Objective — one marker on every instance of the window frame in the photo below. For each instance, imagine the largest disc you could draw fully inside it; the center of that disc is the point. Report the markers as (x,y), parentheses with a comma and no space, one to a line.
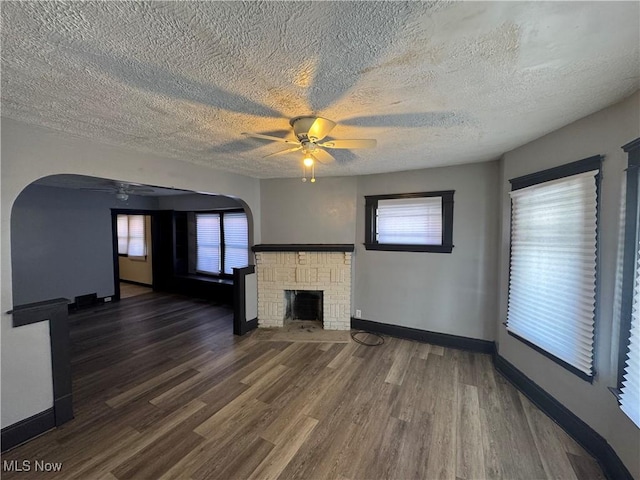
(221,213)
(371,207)
(631,232)
(543,176)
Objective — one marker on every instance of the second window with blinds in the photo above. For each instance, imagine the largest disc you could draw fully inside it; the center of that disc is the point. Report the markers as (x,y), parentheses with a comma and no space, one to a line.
(221,242)
(553,269)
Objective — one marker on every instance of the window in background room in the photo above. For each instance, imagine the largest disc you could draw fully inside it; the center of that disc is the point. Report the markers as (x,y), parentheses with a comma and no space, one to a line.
(123,234)
(222,242)
(412,222)
(553,269)
(236,241)
(628,386)
(208,256)
(131,235)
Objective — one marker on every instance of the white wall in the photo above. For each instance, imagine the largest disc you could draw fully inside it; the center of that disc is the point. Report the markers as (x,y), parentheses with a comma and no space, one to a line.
(447,293)
(29,153)
(601,133)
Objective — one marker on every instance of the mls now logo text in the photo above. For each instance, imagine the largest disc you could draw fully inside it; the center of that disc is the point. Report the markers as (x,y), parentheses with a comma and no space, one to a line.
(28,466)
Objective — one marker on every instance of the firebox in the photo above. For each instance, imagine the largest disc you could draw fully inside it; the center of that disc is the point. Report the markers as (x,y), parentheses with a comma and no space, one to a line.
(303,305)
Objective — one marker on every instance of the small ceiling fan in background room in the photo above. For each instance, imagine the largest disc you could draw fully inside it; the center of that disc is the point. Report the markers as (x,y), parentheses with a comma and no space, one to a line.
(121,190)
(310,131)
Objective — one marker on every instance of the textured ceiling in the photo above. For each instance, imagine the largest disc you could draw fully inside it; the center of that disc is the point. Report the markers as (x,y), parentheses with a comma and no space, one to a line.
(435,83)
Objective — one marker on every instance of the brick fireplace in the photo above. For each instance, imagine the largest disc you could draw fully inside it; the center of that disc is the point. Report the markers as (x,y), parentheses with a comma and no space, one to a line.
(313,268)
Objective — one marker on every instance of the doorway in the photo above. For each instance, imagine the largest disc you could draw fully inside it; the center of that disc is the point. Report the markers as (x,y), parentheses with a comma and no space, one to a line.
(135,254)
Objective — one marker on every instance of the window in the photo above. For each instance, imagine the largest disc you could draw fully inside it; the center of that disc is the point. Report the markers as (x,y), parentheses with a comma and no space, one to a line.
(236,233)
(629,346)
(208,243)
(222,242)
(553,270)
(131,235)
(411,222)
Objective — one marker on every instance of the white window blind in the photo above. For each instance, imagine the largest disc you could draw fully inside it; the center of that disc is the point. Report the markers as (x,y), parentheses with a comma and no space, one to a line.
(123,234)
(136,246)
(553,268)
(236,239)
(410,221)
(208,242)
(630,392)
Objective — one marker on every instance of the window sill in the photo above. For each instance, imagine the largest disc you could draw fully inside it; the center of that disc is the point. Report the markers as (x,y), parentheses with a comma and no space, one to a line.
(579,373)
(408,248)
(206,278)
(615,392)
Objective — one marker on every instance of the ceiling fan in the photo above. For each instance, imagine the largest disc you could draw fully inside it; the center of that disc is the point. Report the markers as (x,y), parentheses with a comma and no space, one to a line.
(121,190)
(310,131)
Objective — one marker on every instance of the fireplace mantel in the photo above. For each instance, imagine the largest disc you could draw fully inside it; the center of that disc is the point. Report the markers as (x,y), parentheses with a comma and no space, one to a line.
(304,247)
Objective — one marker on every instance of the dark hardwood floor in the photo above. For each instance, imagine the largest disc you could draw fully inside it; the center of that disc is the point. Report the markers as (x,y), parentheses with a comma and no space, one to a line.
(162,389)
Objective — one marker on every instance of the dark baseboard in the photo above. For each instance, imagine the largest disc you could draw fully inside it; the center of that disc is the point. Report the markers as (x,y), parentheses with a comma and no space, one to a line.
(590,440)
(73,307)
(26,429)
(140,284)
(63,409)
(435,338)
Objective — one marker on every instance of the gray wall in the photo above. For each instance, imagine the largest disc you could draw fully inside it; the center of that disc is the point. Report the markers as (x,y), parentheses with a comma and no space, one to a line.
(297,212)
(449,293)
(601,133)
(196,201)
(63,242)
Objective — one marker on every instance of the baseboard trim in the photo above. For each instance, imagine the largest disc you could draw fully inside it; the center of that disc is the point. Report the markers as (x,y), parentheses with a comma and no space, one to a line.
(582,433)
(26,429)
(435,338)
(140,284)
(63,409)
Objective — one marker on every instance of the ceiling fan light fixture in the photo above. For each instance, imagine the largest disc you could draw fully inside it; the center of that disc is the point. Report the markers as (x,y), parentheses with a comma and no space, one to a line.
(308,161)
(122,196)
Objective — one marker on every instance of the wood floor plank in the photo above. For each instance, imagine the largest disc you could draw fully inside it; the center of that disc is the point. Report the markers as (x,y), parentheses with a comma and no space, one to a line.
(585,467)
(399,366)
(240,403)
(414,447)
(144,387)
(444,423)
(548,443)
(286,447)
(239,462)
(470,454)
(163,389)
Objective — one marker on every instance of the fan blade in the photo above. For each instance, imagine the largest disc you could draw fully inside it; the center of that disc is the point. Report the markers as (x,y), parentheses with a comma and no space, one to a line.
(135,190)
(269,137)
(349,144)
(320,128)
(322,156)
(282,152)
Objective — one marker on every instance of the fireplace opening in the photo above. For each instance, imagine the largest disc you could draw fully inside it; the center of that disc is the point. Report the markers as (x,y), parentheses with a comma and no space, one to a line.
(303,305)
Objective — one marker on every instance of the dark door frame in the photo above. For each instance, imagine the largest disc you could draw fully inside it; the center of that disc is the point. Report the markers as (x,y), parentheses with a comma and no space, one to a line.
(114,239)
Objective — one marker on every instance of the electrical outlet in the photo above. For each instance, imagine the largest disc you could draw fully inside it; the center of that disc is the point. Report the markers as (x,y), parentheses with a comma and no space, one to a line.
(358,313)
(107,299)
